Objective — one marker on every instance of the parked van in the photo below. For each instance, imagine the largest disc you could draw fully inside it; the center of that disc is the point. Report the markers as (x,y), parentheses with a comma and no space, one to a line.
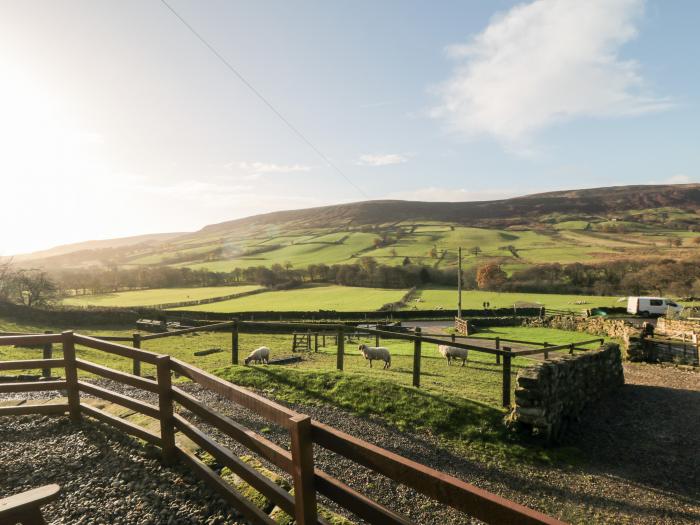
(652,306)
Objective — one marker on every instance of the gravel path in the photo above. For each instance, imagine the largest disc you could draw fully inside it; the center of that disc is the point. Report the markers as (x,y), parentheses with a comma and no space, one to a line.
(107,477)
(639,465)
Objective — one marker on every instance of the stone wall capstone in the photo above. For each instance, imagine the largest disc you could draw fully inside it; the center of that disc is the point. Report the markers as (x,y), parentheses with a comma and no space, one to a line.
(553,394)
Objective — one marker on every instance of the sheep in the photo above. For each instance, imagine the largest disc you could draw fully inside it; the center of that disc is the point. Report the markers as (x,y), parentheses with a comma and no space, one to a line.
(261,355)
(452,352)
(376,352)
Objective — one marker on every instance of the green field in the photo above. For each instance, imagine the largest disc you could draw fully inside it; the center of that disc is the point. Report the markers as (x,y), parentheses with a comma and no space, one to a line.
(309,298)
(435,297)
(459,405)
(156,296)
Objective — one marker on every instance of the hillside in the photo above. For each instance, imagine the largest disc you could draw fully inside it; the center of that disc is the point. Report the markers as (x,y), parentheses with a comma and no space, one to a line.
(153,239)
(563,226)
(517,210)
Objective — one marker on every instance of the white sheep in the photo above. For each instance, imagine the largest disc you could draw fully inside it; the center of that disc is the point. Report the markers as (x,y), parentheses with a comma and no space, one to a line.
(376,352)
(452,352)
(261,355)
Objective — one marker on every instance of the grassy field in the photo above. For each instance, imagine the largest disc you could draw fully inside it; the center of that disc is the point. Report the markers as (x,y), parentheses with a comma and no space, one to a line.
(446,298)
(460,405)
(156,296)
(310,298)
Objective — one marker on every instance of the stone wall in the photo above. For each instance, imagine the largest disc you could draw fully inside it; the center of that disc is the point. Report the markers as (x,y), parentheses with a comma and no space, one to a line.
(663,350)
(552,395)
(598,325)
(678,328)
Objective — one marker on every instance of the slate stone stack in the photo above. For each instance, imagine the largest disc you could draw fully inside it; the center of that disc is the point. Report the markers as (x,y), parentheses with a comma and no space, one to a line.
(552,395)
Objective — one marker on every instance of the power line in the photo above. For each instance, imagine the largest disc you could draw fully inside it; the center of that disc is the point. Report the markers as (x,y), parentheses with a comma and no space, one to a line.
(264,100)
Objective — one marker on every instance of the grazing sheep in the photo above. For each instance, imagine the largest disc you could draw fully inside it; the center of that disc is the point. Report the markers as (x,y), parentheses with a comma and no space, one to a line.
(376,352)
(452,352)
(261,355)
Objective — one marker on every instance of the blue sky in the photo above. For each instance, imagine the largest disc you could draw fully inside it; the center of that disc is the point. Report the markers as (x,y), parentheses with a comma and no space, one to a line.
(117,121)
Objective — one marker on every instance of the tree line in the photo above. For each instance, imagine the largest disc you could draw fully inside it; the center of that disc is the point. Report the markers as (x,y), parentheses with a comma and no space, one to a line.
(36,287)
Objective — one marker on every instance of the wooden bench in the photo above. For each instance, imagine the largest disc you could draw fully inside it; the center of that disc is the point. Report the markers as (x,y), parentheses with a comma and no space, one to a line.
(25,508)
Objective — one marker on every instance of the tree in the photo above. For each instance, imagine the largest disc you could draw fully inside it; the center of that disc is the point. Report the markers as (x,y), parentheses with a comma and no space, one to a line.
(7,277)
(476,251)
(34,288)
(490,277)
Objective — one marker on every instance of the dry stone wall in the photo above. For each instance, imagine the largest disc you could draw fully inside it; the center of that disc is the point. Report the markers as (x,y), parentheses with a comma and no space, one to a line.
(553,394)
(617,328)
(679,328)
(663,350)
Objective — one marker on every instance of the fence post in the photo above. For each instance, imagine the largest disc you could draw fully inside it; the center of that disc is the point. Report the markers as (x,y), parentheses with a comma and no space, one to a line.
(303,470)
(571,348)
(341,349)
(136,343)
(316,342)
(453,337)
(47,354)
(71,375)
(506,377)
(308,340)
(546,352)
(416,358)
(376,340)
(165,406)
(498,347)
(234,343)
(324,339)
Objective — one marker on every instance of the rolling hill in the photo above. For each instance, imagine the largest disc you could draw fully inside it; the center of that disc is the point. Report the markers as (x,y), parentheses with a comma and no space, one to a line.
(562,226)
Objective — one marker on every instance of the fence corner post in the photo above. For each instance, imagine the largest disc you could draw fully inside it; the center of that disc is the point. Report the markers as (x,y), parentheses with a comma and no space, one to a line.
(506,376)
(165,407)
(71,375)
(341,349)
(302,447)
(416,357)
(136,343)
(234,343)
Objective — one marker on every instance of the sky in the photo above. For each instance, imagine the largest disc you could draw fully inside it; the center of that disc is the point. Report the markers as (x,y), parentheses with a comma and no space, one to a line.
(115,120)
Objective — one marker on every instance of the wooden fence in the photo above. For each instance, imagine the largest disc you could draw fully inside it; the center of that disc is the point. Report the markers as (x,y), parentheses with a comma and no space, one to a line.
(298,462)
(504,355)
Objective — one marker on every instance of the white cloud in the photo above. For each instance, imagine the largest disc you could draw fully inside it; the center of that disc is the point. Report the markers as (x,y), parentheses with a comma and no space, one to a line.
(384,159)
(260,168)
(679,178)
(436,194)
(542,63)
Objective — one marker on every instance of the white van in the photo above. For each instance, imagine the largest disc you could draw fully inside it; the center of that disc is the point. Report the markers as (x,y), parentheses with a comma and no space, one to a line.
(652,306)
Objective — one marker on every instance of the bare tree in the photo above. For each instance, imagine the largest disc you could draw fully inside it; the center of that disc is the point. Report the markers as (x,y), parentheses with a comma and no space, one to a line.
(34,288)
(6,279)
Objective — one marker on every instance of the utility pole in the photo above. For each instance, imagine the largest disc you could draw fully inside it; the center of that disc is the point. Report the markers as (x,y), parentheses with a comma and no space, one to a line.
(459,285)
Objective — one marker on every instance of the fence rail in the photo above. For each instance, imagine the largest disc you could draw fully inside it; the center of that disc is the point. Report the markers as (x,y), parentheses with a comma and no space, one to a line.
(298,462)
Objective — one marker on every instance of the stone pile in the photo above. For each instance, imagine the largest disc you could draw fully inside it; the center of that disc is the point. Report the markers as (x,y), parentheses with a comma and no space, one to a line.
(551,395)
